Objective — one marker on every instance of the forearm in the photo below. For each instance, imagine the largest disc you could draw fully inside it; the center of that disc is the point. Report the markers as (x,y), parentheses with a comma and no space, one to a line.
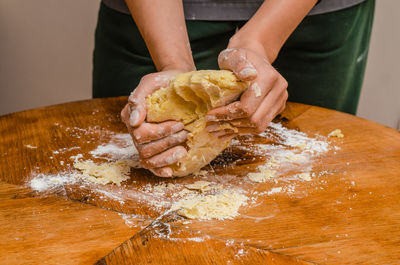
(162,26)
(271,25)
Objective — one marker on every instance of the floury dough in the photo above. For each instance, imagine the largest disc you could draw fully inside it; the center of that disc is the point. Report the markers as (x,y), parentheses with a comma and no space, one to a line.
(187,99)
(219,204)
(113,172)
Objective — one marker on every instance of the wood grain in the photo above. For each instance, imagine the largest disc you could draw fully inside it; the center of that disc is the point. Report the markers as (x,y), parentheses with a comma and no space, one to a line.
(53,230)
(349,216)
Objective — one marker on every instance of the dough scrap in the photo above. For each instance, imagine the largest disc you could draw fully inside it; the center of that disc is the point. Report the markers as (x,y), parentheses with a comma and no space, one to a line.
(336,133)
(199,185)
(187,99)
(262,176)
(304,176)
(224,204)
(113,172)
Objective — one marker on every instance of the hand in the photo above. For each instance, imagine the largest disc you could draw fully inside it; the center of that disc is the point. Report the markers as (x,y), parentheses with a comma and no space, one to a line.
(264,98)
(158,144)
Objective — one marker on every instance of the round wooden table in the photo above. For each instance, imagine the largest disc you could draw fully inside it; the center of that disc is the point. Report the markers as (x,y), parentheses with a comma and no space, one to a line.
(349,216)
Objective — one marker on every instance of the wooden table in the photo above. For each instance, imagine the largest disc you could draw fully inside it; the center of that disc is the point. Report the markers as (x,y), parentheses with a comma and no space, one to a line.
(350,216)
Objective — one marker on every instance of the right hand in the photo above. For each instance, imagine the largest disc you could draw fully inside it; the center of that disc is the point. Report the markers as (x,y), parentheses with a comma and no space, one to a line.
(158,144)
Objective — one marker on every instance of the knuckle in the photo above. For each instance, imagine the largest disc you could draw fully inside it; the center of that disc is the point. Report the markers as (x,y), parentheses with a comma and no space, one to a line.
(124,114)
(148,77)
(247,110)
(254,121)
(273,75)
(137,135)
(144,163)
(284,83)
(285,96)
(260,128)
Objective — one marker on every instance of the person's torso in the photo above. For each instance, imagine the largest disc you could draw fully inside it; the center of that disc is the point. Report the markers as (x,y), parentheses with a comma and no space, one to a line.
(234,10)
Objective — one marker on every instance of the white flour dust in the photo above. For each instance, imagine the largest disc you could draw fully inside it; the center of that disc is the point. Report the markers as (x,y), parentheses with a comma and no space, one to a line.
(289,162)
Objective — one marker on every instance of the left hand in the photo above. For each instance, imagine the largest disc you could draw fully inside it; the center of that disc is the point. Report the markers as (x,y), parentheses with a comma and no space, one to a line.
(259,104)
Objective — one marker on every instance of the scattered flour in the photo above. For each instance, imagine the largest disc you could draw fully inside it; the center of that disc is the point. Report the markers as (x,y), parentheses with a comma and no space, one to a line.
(42,182)
(297,139)
(274,190)
(293,152)
(119,148)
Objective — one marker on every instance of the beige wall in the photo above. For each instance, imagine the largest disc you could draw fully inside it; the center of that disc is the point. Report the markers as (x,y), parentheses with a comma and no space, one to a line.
(380,99)
(46,48)
(45,51)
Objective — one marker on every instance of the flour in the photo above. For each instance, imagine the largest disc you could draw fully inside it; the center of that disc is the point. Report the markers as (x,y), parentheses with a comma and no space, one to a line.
(120,147)
(43,182)
(293,138)
(294,151)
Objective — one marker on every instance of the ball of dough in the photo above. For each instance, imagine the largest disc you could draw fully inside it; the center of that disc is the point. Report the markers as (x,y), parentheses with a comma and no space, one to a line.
(187,99)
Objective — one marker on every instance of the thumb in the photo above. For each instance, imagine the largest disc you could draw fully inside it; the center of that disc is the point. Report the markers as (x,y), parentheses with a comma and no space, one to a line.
(137,100)
(237,61)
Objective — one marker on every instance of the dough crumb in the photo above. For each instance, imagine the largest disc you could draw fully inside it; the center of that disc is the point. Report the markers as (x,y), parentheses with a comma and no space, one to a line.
(262,176)
(224,204)
(336,133)
(199,185)
(304,176)
(113,172)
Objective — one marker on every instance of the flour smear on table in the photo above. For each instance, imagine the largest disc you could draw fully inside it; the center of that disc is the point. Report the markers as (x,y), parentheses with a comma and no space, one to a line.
(288,163)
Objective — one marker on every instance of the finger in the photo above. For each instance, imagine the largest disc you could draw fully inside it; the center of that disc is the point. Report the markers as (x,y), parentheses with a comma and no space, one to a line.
(164,172)
(228,112)
(236,61)
(148,132)
(249,101)
(254,95)
(270,106)
(164,159)
(158,146)
(227,136)
(125,114)
(223,132)
(137,100)
(239,123)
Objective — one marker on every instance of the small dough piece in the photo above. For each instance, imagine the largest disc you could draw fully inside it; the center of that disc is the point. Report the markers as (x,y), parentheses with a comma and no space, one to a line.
(200,185)
(113,172)
(187,99)
(304,176)
(222,205)
(262,176)
(336,133)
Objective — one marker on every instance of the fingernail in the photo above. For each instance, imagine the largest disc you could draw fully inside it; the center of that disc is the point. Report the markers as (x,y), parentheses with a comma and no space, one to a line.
(134,118)
(211,118)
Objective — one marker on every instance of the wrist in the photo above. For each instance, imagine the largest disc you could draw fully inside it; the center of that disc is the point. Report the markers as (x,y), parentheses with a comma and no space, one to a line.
(251,43)
(183,66)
